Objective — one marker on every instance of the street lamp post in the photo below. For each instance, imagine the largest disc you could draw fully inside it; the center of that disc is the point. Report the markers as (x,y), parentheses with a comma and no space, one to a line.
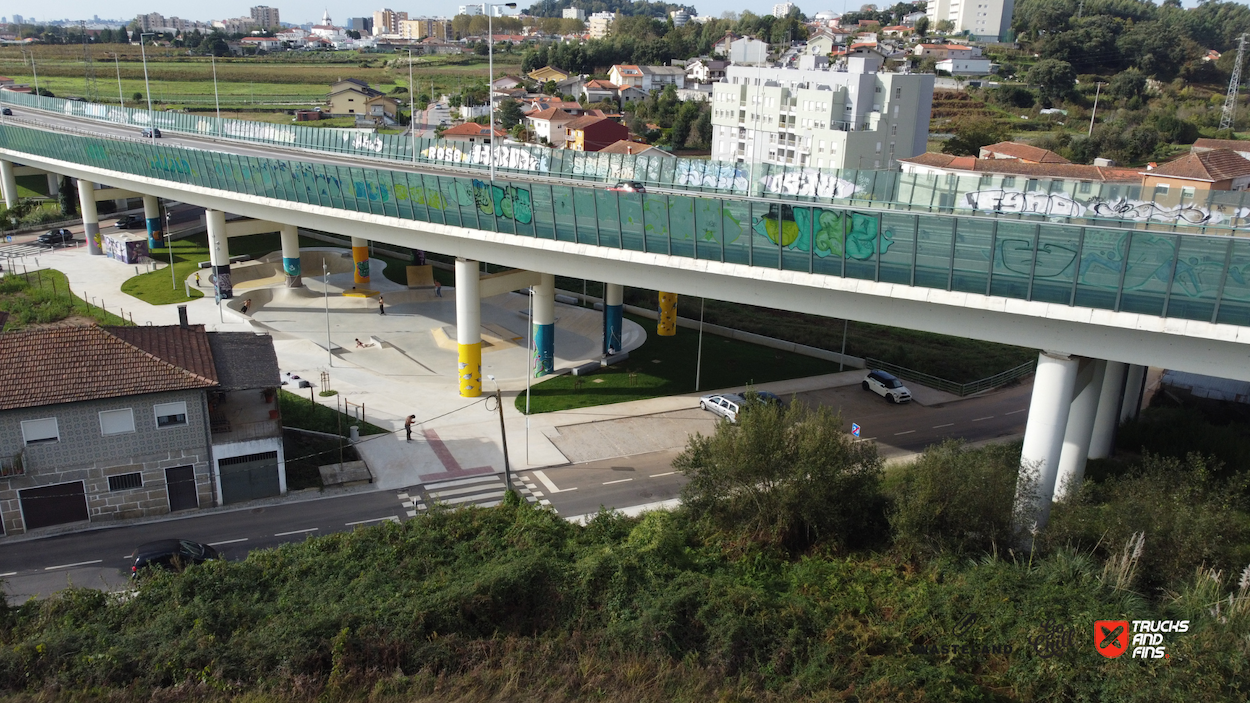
(412,109)
(147,88)
(216,96)
(490,91)
(121,97)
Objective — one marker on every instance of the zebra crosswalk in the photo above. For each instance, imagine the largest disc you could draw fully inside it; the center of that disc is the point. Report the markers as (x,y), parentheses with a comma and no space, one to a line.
(484,491)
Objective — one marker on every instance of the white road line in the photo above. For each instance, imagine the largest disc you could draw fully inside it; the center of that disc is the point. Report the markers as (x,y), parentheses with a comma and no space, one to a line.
(902,433)
(938,427)
(11,573)
(978,419)
(659,475)
(549,485)
(296,532)
(1013,412)
(865,439)
(392,518)
(623,480)
(70,566)
(228,541)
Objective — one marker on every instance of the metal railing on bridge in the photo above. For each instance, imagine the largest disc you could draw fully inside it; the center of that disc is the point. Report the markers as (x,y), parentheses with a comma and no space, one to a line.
(1188,276)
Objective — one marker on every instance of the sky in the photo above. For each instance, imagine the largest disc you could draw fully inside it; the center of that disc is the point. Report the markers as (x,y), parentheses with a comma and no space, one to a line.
(340,10)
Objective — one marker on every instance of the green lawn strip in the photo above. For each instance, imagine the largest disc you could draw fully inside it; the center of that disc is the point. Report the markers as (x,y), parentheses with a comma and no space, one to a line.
(41,297)
(298,411)
(157,287)
(665,366)
(32,186)
(306,453)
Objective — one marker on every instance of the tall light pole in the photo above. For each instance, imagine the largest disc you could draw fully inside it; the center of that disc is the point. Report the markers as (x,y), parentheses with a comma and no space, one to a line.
(121,97)
(325,277)
(412,109)
(490,91)
(147,88)
(33,68)
(216,95)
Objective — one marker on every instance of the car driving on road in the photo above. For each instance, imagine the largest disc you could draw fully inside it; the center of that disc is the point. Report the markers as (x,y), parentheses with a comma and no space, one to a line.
(131,222)
(55,238)
(727,406)
(172,554)
(629,187)
(8,112)
(152,133)
(886,386)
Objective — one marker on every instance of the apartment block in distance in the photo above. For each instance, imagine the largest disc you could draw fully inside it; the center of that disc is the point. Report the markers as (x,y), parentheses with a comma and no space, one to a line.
(265,16)
(819,118)
(987,20)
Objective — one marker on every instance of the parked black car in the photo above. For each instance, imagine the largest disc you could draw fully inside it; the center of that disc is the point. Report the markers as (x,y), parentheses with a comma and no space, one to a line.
(55,238)
(131,222)
(7,112)
(172,554)
(153,133)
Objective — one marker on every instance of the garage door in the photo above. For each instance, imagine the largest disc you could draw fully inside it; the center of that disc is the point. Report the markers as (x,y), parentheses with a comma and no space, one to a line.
(53,505)
(249,477)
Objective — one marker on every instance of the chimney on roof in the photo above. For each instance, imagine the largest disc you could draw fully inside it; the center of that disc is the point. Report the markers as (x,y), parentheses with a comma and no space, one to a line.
(182,316)
(629,149)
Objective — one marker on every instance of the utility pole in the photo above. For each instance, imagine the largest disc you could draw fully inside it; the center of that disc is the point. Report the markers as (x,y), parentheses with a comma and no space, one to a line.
(88,66)
(1097,92)
(1230,101)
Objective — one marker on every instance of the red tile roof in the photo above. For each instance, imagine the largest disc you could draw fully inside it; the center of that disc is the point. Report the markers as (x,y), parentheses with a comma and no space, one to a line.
(585,121)
(552,114)
(1205,144)
(1210,166)
(626,146)
(71,364)
(1026,152)
(472,129)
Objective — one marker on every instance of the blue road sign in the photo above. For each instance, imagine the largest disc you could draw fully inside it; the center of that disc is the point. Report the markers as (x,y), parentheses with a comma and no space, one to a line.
(854,429)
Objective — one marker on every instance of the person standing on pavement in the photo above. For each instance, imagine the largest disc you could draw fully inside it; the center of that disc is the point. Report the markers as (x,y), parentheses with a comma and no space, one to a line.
(408,427)
(381,306)
(438,289)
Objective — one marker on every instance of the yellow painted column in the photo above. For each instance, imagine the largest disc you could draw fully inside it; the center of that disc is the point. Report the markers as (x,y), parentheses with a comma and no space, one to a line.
(360,258)
(468,329)
(667,326)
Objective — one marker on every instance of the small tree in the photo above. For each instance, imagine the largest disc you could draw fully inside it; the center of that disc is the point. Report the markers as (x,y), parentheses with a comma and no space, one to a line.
(922,27)
(973,133)
(509,113)
(67,197)
(1053,78)
(137,97)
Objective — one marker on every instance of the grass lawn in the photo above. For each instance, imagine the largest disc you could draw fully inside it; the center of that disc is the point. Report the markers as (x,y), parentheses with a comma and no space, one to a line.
(155,287)
(666,366)
(42,297)
(32,186)
(298,411)
(305,453)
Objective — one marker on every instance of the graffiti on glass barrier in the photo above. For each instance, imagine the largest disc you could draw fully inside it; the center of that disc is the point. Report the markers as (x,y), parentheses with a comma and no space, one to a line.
(1063,205)
(509,157)
(799,228)
(502,201)
(808,183)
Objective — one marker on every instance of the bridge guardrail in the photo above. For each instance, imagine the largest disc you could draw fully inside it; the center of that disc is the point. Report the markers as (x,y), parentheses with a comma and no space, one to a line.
(959,389)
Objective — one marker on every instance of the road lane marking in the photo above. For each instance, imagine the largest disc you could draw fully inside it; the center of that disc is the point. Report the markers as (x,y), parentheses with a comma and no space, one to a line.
(938,427)
(978,419)
(392,518)
(623,480)
(659,475)
(11,573)
(1013,412)
(70,566)
(549,485)
(226,541)
(902,433)
(864,439)
(296,532)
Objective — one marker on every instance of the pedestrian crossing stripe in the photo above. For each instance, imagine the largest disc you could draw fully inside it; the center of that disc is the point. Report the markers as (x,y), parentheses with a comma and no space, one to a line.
(478,491)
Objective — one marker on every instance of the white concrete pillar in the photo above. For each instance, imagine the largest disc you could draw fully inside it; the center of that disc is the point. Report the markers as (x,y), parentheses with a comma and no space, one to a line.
(8,183)
(545,325)
(1107,419)
(54,184)
(219,253)
(152,216)
(290,256)
(613,317)
(1134,384)
(90,219)
(468,328)
(1079,428)
(1043,436)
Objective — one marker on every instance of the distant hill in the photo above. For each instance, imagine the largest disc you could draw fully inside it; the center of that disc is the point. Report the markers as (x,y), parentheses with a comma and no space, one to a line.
(553,8)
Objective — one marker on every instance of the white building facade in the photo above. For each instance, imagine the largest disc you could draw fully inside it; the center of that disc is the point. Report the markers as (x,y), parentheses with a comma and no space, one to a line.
(782,9)
(987,20)
(820,118)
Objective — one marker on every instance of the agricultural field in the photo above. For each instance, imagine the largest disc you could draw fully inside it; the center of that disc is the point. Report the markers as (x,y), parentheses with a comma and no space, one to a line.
(285,81)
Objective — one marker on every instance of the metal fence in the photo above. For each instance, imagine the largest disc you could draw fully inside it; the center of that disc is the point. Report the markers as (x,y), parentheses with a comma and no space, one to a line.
(1179,209)
(1166,274)
(959,389)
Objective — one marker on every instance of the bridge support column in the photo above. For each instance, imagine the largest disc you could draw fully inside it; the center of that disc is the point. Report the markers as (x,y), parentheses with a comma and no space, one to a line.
(545,326)
(468,328)
(152,214)
(1107,419)
(360,257)
(613,318)
(1134,384)
(1043,436)
(290,256)
(8,183)
(1080,427)
(54,184)
(667,326)
(90,219)
(219,253)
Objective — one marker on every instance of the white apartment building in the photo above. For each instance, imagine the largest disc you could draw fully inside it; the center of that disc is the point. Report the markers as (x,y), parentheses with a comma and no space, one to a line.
(599,24)
(469,10)
(387,21)
(265,16)
(573,13)
(821,118)
(782,9)
(987,20)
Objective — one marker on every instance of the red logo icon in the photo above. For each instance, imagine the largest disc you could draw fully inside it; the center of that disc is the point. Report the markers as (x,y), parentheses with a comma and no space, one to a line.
(1111,637)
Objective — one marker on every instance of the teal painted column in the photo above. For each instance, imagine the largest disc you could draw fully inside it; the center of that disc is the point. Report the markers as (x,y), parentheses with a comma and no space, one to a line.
(545,325)
(156,229)
(613,317)
(290,256)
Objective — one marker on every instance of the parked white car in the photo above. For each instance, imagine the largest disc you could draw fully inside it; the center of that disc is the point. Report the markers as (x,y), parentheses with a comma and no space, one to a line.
(887,386)
(727,406)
